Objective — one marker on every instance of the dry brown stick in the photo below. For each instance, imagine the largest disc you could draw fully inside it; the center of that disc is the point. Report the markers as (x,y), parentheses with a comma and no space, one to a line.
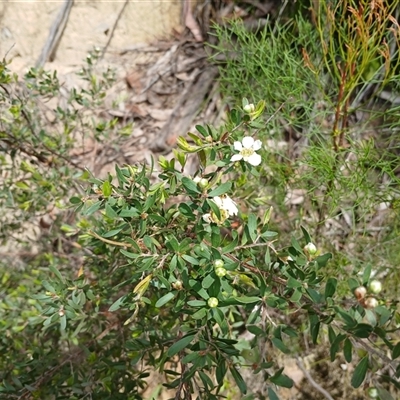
(186,108)
(191,23)
(56,31)
(314,384)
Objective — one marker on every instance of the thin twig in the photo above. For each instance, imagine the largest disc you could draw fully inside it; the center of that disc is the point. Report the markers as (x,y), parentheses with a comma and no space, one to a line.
(113,29)
(311,380)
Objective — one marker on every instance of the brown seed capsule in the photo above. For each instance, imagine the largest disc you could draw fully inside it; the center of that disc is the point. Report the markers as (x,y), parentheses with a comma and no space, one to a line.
(371,302)
(360,292)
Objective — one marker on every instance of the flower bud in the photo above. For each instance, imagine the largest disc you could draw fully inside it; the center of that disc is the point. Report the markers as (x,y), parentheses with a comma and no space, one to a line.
(371,302)
(249,108)
(220,272)
(177,285)
(218,263)
(212,302)
(375,287)
(360,292)
(373,393)
(202,183)
(310,248)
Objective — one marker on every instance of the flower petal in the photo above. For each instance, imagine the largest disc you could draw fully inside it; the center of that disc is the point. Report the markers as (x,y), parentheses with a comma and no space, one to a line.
(236,157)
(230,206)
(254,159)
(238,146)
(248,142)
(218,201)
(207,218)
(257,145)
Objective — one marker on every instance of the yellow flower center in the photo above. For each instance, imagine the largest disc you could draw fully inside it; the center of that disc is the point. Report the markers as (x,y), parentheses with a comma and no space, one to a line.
(247,152)
(223,213)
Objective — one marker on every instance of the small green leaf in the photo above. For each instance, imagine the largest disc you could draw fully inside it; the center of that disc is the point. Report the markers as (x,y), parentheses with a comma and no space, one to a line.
(196,303)
(207,281)
(293,283)
(215,209)
(348,350)
(348,319)
(330,287)
(272,395)
(384,394)
(363,330)
(190,185)
(221,189)
(208,384)
(165,299)
(323,260)
(179,345)
(255,330)
(252,227)
(280,345)
(396,351)
(215,236)
(200,314)
(56,272)
(111,233)
(185,210)
(314,327)
(335,345)
(93,208)
(220,371)
(366,274)
(190,259)
(106,189)
(247,299)
(281,380)
(307,236)
(360,373)
(190,357)
(201,130)
(63,322)
(120,176)
(75,200)
(117,304)
(49,287)
(238,379)
(296,296)
(172,243)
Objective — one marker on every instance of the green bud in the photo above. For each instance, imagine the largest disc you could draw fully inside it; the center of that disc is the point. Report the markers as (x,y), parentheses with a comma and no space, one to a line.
(375,287)
(220,272)
(218,263)
(177,285)
(249,108)
(310,248)
(373,393)
(212,302)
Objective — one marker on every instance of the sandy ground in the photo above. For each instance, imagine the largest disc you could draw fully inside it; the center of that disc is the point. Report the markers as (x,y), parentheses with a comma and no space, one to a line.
(25,27)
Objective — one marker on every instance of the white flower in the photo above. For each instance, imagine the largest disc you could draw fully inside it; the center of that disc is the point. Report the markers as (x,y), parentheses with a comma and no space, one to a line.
(247,151)
(226,203)
(227,208)
(207,218)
